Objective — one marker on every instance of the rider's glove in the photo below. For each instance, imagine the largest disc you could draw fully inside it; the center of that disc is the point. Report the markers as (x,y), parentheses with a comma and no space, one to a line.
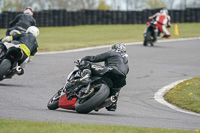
(79,60)
(14,32)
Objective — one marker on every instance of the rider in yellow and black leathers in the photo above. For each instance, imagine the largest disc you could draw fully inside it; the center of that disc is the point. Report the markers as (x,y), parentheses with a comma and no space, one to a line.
(26,42)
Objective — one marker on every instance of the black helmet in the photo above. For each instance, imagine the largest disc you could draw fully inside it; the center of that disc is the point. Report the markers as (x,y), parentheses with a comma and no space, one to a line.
(118,47)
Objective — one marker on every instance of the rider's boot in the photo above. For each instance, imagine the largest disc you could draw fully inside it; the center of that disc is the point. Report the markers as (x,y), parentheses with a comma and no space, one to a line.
(166,36)
(113,106)
(20,70)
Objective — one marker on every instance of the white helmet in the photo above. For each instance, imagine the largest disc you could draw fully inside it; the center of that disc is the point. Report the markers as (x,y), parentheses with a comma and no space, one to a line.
(165,11)
(34,30)
(28,11)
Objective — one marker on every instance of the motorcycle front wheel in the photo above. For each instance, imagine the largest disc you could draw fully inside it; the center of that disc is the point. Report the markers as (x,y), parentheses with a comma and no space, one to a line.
(101,92)
(147,38)
(53,102)
(4,68)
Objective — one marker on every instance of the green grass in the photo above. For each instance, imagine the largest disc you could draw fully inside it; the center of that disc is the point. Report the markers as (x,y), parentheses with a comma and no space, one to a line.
(21,126)
(64,38)
(186,95)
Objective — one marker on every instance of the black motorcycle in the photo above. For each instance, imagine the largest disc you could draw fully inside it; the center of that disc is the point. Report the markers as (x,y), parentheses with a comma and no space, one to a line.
(8,61)
(85,97)
(150,35)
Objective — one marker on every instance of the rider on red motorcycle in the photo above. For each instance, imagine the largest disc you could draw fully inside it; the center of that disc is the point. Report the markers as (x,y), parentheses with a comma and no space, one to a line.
(115,59)
(22,21)
(162,20)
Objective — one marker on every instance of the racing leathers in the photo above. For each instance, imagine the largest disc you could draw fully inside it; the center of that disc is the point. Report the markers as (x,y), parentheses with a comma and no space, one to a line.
(28,44)
(118,62)
(162,20)
(24,41)
(21,22)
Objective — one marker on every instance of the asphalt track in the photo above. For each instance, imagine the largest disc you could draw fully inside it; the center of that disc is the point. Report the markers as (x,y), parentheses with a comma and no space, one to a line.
(25,97)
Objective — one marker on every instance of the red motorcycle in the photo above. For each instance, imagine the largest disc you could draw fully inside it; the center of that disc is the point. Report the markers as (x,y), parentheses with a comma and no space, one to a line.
(152,33)
(84,98)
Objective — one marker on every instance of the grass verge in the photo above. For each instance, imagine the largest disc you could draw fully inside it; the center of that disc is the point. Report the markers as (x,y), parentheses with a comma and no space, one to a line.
(21,126)
(186,95)
(64,38)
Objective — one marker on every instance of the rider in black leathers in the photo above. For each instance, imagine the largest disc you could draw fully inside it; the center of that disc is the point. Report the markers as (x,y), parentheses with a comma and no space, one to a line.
(22,21)
(117,59)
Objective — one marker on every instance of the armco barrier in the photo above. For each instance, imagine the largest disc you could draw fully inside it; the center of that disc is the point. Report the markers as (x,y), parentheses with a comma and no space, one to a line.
(50,18)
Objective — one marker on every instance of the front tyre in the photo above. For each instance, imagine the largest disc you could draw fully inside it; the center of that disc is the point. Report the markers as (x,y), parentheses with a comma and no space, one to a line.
(145,42)
(4,68)
(53,102)
(97,99)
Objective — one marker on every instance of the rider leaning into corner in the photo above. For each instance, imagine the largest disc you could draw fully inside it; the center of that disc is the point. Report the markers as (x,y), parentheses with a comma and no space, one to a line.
(22,21)
(116,59)
(162,20)
(26,42)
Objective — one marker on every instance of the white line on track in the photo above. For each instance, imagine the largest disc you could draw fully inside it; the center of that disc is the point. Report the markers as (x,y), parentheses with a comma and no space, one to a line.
(107,46)
(159,94)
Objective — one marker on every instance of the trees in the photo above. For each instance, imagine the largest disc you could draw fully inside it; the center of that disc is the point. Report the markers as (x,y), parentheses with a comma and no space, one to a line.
(103,5)
(153,4)
(37,5)
(135,4)
(19,5)
(14,5)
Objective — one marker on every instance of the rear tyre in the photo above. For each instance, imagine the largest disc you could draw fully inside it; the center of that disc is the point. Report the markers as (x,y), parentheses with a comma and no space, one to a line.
(96,100)
(4,68)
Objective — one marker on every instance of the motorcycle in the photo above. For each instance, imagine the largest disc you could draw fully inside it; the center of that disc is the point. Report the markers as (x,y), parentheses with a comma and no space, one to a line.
(151,33)
(85,97)
(9,57)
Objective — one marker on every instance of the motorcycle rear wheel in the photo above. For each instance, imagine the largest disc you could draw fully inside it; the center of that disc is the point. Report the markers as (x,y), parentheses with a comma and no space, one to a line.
(97,99)
(4,68)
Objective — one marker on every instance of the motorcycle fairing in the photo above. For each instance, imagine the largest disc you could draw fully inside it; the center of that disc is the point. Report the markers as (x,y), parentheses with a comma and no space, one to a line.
(67,104)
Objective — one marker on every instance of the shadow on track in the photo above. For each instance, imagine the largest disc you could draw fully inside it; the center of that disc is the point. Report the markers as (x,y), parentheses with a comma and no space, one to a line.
(91,113)
(11,85)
